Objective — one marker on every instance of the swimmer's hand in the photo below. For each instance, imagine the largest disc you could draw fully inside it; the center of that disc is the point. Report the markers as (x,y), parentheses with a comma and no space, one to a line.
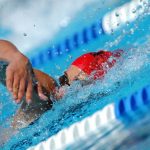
(18,72)
(19,76)
(45,85)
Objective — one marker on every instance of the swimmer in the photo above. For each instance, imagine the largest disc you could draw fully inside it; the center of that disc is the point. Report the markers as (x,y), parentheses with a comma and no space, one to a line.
(91,66)
(88,67)
(94,64)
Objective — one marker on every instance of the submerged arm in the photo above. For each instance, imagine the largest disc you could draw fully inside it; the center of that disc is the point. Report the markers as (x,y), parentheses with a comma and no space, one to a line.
(28,113)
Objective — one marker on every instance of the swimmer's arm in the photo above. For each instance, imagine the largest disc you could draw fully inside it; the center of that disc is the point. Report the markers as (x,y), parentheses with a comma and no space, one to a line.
(8,52)
(27,114)
(19,72)
(45,83)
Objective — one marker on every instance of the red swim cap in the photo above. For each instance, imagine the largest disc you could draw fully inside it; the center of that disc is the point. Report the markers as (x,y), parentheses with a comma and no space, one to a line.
(97,63)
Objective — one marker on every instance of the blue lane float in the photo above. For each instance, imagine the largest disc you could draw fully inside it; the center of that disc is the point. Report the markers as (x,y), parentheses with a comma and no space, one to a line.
(129,106)
(70,43)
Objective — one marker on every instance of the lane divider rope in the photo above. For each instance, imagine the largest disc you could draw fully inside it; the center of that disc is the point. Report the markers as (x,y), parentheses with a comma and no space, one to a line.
(111,22)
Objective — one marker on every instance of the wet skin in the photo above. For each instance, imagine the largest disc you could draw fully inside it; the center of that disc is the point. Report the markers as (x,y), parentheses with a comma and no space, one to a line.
(19,73)
(27,85)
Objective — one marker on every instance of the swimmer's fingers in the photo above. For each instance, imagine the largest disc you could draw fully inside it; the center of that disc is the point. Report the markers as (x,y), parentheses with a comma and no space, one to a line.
(41,93)
(21,91)
(16,86)
(29,91)
(9,79)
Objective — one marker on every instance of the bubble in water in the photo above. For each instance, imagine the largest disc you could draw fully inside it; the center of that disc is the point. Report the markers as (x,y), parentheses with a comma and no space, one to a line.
(100,31)
(118,24)
(123,31)
(24,34)
(58,67)
(145,3)
(64,22)
(70,57)
(112,31)
(134,11)
(117,14)
(127,23)
(84,50)
(66,49)
(131,31)
(135,26)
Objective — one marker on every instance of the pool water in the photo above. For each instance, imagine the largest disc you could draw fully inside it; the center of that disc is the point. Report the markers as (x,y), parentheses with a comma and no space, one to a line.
(130,74)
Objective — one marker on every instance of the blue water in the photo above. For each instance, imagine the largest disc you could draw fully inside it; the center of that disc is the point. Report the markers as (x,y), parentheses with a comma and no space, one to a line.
(130,74)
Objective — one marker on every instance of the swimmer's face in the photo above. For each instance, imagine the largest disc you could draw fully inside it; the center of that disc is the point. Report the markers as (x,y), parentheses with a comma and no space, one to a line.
(75,73)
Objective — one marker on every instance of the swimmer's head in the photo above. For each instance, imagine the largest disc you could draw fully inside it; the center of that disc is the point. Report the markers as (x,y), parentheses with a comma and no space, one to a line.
(89,64)
(78,70)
